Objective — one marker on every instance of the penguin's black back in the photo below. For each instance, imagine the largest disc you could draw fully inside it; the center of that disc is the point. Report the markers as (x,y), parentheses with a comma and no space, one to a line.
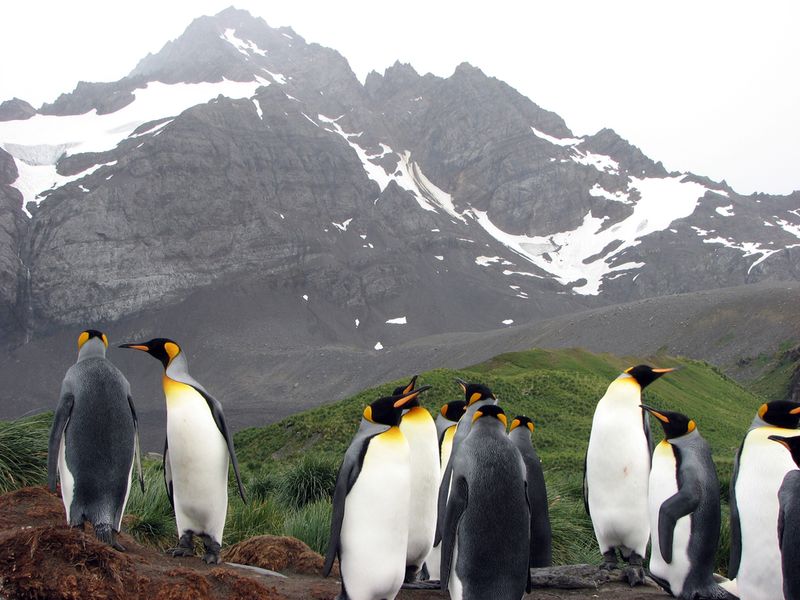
(493,535)
(541,532)
(98,441)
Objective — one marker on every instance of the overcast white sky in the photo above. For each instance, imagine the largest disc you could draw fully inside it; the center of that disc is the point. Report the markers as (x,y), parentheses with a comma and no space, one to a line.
(705,86)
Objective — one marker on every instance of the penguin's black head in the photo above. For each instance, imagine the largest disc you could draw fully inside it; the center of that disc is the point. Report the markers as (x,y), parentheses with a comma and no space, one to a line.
(491,410)
(453,411)
(792,444)
(85,336)
(645,374)
(399,391)
(161,348)
(781,413)
(675,424)
(521,421)
(475,392)
(389,409)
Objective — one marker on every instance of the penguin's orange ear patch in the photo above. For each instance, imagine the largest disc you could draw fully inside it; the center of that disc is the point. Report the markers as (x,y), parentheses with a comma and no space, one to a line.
(691,427)
(475,397)
(762,410)
(478,414)
(368,414)
(444,410)
(105,340)
(531,426)
(514,424)
(503,419)
(82,339)
(172,350)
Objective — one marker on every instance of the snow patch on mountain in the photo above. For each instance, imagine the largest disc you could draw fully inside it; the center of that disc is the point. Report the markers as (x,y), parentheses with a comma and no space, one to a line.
(245,47)
(725,211)
(556,141)
(566,255)
(43,139)
(600,192)
(601,162)
(397,321)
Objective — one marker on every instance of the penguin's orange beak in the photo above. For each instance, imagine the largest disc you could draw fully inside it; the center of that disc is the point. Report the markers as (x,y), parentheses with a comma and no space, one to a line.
(142,347)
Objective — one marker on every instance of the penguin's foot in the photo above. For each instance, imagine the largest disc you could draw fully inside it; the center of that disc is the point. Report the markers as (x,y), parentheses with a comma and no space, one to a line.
(185,546)
(424,575)
(106,534)
(411,574)
(609,560)
(211,557)
(634,572)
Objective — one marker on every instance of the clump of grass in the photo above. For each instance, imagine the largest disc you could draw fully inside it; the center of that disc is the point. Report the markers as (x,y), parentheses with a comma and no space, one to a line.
(149,516)
(311,524)
(573,536)
(309,480)
(257,517)
(262,485)
(23,451)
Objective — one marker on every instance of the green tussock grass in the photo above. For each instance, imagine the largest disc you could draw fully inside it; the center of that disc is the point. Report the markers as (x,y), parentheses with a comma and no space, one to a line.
(311,524)
(23,451)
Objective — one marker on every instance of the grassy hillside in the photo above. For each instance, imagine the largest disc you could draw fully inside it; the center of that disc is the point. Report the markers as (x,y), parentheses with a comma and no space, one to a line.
(558,389)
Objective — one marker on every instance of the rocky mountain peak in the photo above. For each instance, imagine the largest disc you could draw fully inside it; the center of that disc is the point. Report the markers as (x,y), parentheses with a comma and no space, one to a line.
(16,109)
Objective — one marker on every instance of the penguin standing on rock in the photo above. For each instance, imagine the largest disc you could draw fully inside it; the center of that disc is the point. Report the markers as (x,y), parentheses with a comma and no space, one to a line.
(789,520)
(419,430)
(195,454)
(520,434)
(758,472)
(369,523)
(94,441)
(476,396)
(684,511)
(446,423)
(617,470)
(486,533)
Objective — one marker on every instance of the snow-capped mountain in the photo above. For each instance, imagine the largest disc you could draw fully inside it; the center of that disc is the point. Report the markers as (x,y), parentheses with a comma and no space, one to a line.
(241,155)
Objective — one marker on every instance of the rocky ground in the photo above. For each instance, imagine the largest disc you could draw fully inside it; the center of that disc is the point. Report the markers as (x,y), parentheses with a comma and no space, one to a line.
(42,558)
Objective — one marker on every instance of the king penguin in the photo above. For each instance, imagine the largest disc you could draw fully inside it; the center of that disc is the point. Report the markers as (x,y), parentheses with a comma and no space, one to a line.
(520,433)
(195,453)
(369,522)
(485,541)
(684,511)
(758,471)
(617,470)
(419,429)
(94,441)
(476,395)
(789,520)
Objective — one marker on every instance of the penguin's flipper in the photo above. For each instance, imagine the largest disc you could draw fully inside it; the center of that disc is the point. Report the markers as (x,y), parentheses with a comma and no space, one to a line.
(345,480)
(681,504)
(444,490)
(60,420)
(137,451)
(168,474)
(781,525)
(456,505)
(736,526)
(648,434)
(216,411)
(528,583)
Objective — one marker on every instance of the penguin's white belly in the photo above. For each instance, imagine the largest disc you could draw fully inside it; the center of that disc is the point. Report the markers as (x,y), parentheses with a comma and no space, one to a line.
(617,472)
(375,524)
(419,430)
(198,457)
(454,585)
(447,447)
(66,478)
(664,485)
(762,467)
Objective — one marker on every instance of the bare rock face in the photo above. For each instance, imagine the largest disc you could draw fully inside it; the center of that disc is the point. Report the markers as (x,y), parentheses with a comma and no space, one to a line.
(16,109)
(13,273)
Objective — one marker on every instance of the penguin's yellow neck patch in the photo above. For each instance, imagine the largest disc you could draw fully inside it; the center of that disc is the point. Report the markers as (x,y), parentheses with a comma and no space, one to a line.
(392,435)
(417,415)
(178,393)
